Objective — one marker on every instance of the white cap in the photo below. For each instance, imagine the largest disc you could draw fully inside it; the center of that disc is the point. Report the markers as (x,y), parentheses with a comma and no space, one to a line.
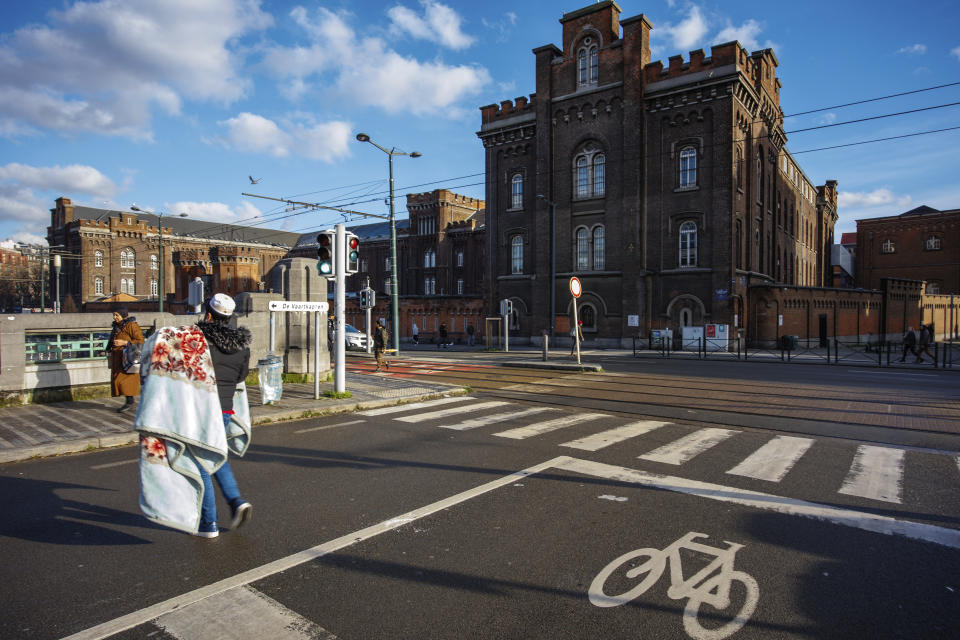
(222,305)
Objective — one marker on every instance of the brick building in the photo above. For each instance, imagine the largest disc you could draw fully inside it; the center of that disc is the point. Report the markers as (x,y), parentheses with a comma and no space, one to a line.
(111,252)
(440,255)
(921,244)
(674,192)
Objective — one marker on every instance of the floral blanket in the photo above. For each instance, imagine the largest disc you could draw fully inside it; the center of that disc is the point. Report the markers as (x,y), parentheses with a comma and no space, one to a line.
(181,426)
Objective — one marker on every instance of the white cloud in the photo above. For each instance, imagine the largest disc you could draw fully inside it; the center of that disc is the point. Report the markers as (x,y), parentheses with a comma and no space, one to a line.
(438,22)
(214,211)
(103,66)
(955,52)
(24,237)
(255,134)
(688,33)
(368,71)
(502,27)
(827,118)
(70,179)
(875,198)
(917,49)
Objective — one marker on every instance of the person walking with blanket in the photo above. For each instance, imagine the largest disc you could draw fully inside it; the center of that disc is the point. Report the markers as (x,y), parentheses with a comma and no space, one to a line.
(125,330)
(380,340)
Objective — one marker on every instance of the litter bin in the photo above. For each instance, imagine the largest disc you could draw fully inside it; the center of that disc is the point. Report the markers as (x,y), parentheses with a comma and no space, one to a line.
(789,343)
(270,372)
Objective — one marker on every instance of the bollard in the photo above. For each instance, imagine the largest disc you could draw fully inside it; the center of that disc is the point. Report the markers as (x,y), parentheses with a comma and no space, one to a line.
(546,346)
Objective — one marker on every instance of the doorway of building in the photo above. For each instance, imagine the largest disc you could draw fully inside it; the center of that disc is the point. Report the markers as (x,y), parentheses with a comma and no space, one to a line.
(823,330)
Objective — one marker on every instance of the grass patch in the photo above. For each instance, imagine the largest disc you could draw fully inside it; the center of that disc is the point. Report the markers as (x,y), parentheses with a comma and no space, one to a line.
(337,395)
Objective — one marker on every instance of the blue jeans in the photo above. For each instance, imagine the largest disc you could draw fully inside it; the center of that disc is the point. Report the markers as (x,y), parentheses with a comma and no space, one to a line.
(228,486)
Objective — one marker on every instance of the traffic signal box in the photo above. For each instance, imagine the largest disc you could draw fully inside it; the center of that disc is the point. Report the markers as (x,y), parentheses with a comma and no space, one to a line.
(326,253)
(353,253)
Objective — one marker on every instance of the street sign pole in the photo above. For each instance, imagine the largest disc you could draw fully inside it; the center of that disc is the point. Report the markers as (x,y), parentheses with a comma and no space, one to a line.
(575,290)
(316,354)
(340,305)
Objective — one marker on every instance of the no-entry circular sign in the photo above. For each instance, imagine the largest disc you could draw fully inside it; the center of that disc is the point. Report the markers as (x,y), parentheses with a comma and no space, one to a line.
(575,287)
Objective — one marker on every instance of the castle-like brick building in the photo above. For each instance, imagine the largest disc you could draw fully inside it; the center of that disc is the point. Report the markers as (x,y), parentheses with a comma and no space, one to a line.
(667,190)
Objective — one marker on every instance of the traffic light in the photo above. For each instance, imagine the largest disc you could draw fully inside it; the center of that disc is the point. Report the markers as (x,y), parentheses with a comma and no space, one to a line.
(368,299)
(326,254)
(353,253)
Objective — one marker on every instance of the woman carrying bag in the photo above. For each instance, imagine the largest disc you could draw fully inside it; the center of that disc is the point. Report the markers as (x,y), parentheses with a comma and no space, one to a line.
(122,383)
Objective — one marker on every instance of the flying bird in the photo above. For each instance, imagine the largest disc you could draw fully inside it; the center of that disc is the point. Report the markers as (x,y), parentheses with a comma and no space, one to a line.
(252,181)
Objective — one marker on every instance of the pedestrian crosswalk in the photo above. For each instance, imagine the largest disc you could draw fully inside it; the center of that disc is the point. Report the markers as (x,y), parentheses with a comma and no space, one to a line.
(876,472)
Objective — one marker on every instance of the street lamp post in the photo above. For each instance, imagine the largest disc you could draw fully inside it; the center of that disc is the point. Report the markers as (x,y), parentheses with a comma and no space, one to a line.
(553,263)
(394,281)
(160,287)
(56,270)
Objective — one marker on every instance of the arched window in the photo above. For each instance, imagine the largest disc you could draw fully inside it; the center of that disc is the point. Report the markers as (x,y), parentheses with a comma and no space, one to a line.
(587,63)
(688,167)
(130,288)
(98,286)
(429,258)
(739,169)
(589,174)
(516,254)
(688,244)
(153,262)
(686,318)
(123,258)
(153,287)
(583,249)
(516,191)
(599,257)
(98,259)
(588,315)
(123,285)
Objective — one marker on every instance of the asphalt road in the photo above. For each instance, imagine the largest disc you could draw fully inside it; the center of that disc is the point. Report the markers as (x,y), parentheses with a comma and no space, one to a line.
(514,520)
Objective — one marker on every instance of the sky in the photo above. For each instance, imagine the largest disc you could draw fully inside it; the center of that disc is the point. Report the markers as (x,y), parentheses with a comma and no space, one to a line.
(177,105)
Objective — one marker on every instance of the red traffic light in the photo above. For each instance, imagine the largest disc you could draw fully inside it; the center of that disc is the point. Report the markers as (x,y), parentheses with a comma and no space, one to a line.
(353,242)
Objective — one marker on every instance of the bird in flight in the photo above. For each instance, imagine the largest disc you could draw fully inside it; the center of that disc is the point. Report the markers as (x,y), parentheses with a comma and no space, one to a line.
(252,181)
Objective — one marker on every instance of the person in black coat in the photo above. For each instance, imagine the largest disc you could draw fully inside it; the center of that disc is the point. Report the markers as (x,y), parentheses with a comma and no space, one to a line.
(230,353)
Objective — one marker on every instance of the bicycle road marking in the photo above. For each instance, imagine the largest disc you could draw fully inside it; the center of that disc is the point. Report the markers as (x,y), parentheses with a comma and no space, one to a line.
(876,473)
(773,460)
(769,502)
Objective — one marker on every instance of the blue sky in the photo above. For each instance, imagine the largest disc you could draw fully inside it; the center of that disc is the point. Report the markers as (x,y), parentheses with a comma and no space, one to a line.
(172,104)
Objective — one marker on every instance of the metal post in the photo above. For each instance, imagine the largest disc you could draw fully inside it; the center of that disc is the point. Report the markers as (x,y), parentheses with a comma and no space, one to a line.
(43,280)
(160,288)
(394,282)
(576,330)
(316,355)
(553,269)
(369,340)
(56,269)
(340,301)
(273,333)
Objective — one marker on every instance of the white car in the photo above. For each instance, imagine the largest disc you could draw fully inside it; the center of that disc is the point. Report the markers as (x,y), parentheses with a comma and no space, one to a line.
(354,339)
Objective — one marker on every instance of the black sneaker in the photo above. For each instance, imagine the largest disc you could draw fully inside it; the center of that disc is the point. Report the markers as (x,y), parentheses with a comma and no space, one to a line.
(241,513)
(207,530)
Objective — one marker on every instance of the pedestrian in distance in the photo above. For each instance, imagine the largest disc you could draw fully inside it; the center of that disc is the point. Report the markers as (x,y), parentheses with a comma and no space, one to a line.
(576,333)
(923,346)
(415,331)
(125,330)
(442,344)
(470,332)
(380,340)
(230,352)
(909,344)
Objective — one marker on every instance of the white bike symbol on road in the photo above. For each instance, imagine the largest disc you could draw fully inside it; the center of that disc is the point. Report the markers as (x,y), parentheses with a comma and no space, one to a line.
(700,588)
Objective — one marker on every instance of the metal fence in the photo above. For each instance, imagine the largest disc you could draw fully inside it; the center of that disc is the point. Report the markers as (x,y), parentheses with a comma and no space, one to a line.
(60,347)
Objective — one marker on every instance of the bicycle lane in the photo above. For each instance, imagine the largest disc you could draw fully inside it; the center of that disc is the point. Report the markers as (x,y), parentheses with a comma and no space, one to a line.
(546,553)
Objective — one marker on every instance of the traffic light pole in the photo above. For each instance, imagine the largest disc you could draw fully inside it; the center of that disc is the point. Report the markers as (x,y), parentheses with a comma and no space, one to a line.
(340,303)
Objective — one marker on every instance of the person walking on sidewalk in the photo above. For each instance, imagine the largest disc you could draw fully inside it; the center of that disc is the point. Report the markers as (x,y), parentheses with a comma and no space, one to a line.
(415,330)
(909,344)
(380,340)
(125,330)
(443,337)
(926,337)
(470,332)
(230,352)
(576,333)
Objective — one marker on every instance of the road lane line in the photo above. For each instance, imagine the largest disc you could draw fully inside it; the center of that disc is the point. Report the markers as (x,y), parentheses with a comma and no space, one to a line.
(612,436)
(412,406)
(684,449)
(540,428)
(107,465)
(136,618)
(769,502)
(329,426)
(774,459)
(443,413)
(493,419)
(876,474)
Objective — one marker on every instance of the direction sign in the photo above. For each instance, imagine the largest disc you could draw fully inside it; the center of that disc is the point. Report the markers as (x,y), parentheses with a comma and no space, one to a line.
(292,305)
(575,287)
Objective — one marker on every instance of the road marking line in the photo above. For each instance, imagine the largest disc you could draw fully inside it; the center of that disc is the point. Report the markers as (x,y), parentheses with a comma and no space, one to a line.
(612,436)
(114,464)
(492,419)
(774,459)
(112,627)
(242,612)
(22,435)
(329,426)
(540,428)
(56,419)
(5,444)
(876,473)
(684,449)
(769,502)
(443,413)
(413,405)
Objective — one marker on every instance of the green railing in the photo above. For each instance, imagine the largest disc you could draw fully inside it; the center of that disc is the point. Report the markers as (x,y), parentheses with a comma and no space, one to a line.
(60,347)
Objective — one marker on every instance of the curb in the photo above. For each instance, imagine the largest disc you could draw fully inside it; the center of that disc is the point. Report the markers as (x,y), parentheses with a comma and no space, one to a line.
(93,443)
(561,366)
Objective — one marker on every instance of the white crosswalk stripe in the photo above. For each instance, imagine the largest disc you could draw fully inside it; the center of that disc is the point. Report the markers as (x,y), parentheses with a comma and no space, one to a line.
(399,408)
(443,413)
(773,460)
(606,438)
(682,450)
(541,428)
(876,473)
(483,421)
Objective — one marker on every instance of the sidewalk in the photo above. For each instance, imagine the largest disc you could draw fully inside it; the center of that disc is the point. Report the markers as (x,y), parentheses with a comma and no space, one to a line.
(39,430)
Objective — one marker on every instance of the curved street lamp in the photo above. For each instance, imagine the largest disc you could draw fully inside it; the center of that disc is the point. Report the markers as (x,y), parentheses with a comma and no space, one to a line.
(160,288)
(394,281)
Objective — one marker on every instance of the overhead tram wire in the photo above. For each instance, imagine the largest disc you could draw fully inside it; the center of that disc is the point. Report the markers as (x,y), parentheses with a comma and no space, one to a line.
(887,97)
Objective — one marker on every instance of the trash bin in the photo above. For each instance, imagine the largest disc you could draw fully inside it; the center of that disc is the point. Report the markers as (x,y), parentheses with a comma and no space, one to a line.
(789,343)
(270,372)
